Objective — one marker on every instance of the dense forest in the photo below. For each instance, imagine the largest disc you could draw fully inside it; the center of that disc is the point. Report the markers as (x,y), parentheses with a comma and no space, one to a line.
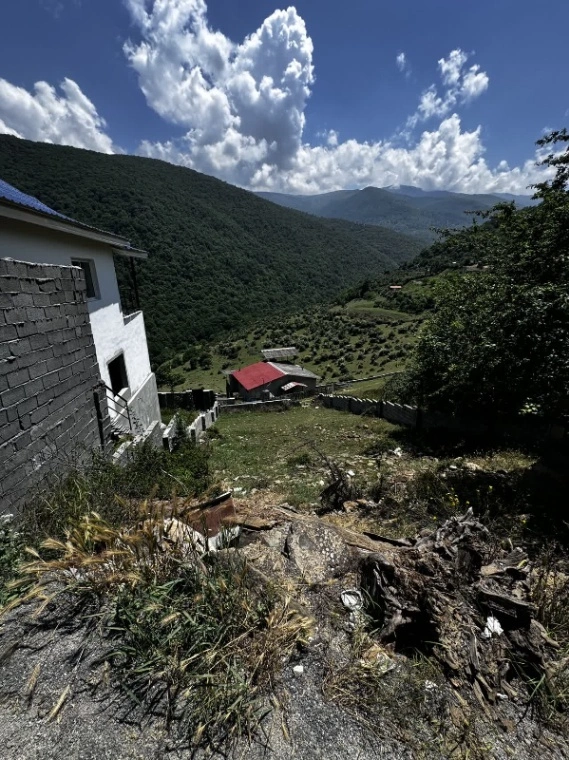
(219,256)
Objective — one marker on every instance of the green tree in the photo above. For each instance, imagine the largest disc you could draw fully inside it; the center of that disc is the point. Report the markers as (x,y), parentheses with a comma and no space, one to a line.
(499,339)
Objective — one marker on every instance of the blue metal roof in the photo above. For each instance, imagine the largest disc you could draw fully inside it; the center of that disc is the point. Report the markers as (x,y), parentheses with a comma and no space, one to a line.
(9,193)
(18,198)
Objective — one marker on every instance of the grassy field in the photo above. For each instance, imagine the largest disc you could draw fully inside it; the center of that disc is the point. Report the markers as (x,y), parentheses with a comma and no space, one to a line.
(281,451)
(281,456)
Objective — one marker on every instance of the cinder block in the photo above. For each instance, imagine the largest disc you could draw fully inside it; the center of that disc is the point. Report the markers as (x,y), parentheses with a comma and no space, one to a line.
(25,329)
(8,332)
(13,479)
(12,396)
(27,405)
(47,285)
(23,299)
(50,380)
(9,431)
(42,411)
(17,378)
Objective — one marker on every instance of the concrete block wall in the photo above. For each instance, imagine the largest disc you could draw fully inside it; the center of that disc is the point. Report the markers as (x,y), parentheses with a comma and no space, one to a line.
(400,414)
(144,406)
(49,377)
(205,420)
(151,436)
(199,399)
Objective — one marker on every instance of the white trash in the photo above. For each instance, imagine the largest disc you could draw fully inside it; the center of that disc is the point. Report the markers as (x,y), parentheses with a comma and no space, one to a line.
(352,599)
(492,628)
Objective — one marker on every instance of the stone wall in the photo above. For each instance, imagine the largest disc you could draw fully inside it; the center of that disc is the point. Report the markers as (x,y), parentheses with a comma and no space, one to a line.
(51,406)
(199,399)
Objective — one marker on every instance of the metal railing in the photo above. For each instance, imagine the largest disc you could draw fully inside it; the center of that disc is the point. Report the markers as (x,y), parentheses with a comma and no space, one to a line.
(119,405)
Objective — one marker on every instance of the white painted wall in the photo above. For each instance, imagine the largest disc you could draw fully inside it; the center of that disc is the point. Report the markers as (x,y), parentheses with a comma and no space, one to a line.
(111,335)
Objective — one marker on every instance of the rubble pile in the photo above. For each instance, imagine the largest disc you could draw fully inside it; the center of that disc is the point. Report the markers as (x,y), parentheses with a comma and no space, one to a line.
(453,595)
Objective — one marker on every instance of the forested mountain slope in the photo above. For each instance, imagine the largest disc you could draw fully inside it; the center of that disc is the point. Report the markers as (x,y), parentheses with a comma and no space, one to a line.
(404,208)
(219,256)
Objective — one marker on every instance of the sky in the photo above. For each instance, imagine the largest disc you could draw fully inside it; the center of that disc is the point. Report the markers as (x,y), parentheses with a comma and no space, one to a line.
(317,96)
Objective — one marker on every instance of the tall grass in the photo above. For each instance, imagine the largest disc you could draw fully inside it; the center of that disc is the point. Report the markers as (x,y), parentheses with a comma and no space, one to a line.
(195,638)
(113,491)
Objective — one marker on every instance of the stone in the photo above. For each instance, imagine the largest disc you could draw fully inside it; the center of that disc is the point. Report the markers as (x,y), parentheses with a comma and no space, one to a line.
(317,551)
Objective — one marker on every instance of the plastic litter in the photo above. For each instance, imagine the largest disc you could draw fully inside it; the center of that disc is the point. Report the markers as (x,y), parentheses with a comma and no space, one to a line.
(492,628)
(352,599)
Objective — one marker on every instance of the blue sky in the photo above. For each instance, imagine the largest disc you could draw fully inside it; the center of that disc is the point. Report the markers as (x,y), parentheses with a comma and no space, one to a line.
(309,97)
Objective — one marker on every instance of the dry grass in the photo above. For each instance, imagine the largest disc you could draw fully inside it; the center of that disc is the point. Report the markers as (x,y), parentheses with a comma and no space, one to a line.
(195,637)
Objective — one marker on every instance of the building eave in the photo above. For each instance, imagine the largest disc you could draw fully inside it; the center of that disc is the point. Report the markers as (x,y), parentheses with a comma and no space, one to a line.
(131,253)
(60,224)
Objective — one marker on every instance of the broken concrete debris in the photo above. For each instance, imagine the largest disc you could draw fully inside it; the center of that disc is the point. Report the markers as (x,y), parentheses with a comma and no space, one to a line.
(447,592)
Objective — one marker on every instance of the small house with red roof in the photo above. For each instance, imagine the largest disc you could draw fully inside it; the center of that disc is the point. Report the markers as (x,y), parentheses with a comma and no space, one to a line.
(262,378)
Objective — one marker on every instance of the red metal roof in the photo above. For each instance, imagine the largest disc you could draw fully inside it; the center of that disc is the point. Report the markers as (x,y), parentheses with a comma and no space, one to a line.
(256,375)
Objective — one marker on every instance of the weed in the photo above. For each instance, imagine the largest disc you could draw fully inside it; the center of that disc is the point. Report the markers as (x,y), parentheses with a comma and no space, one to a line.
(382,693)
(111,490)
(195,638)
(11,549)
(550,594)
(302,459)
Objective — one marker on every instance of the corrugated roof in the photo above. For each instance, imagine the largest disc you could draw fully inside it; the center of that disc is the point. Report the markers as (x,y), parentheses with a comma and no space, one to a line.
(279,353)
(257,374)
(293,369)
(12,194)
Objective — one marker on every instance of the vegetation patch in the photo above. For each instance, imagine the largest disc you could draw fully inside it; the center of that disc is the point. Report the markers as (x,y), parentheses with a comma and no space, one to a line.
(113,491)
(287,451)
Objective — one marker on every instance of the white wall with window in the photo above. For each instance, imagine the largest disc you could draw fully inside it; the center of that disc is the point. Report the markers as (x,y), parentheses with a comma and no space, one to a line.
(114,333)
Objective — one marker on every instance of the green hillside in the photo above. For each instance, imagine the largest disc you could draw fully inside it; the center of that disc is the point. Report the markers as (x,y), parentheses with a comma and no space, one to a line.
(220,257)
(371,330)
(408,210)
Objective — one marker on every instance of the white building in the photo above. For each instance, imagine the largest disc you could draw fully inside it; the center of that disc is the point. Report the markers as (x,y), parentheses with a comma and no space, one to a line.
(32,232)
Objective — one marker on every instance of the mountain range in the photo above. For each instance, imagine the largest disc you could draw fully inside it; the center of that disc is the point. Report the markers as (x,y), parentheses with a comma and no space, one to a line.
(403,208)
(220,256)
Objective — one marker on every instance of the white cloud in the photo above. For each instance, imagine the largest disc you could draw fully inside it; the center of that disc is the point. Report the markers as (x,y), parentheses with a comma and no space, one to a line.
(69,118)
(241,103)
(403,64)
(444,158)
(460,87)
(241,106)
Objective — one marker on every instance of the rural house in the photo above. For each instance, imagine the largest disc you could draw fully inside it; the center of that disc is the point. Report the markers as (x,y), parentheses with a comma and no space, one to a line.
(32,232)
(269,377)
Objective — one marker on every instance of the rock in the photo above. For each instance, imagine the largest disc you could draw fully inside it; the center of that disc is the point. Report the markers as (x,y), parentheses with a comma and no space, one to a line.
(472,467)
(267,559)
(317,551)
(298,670)
(350,506)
